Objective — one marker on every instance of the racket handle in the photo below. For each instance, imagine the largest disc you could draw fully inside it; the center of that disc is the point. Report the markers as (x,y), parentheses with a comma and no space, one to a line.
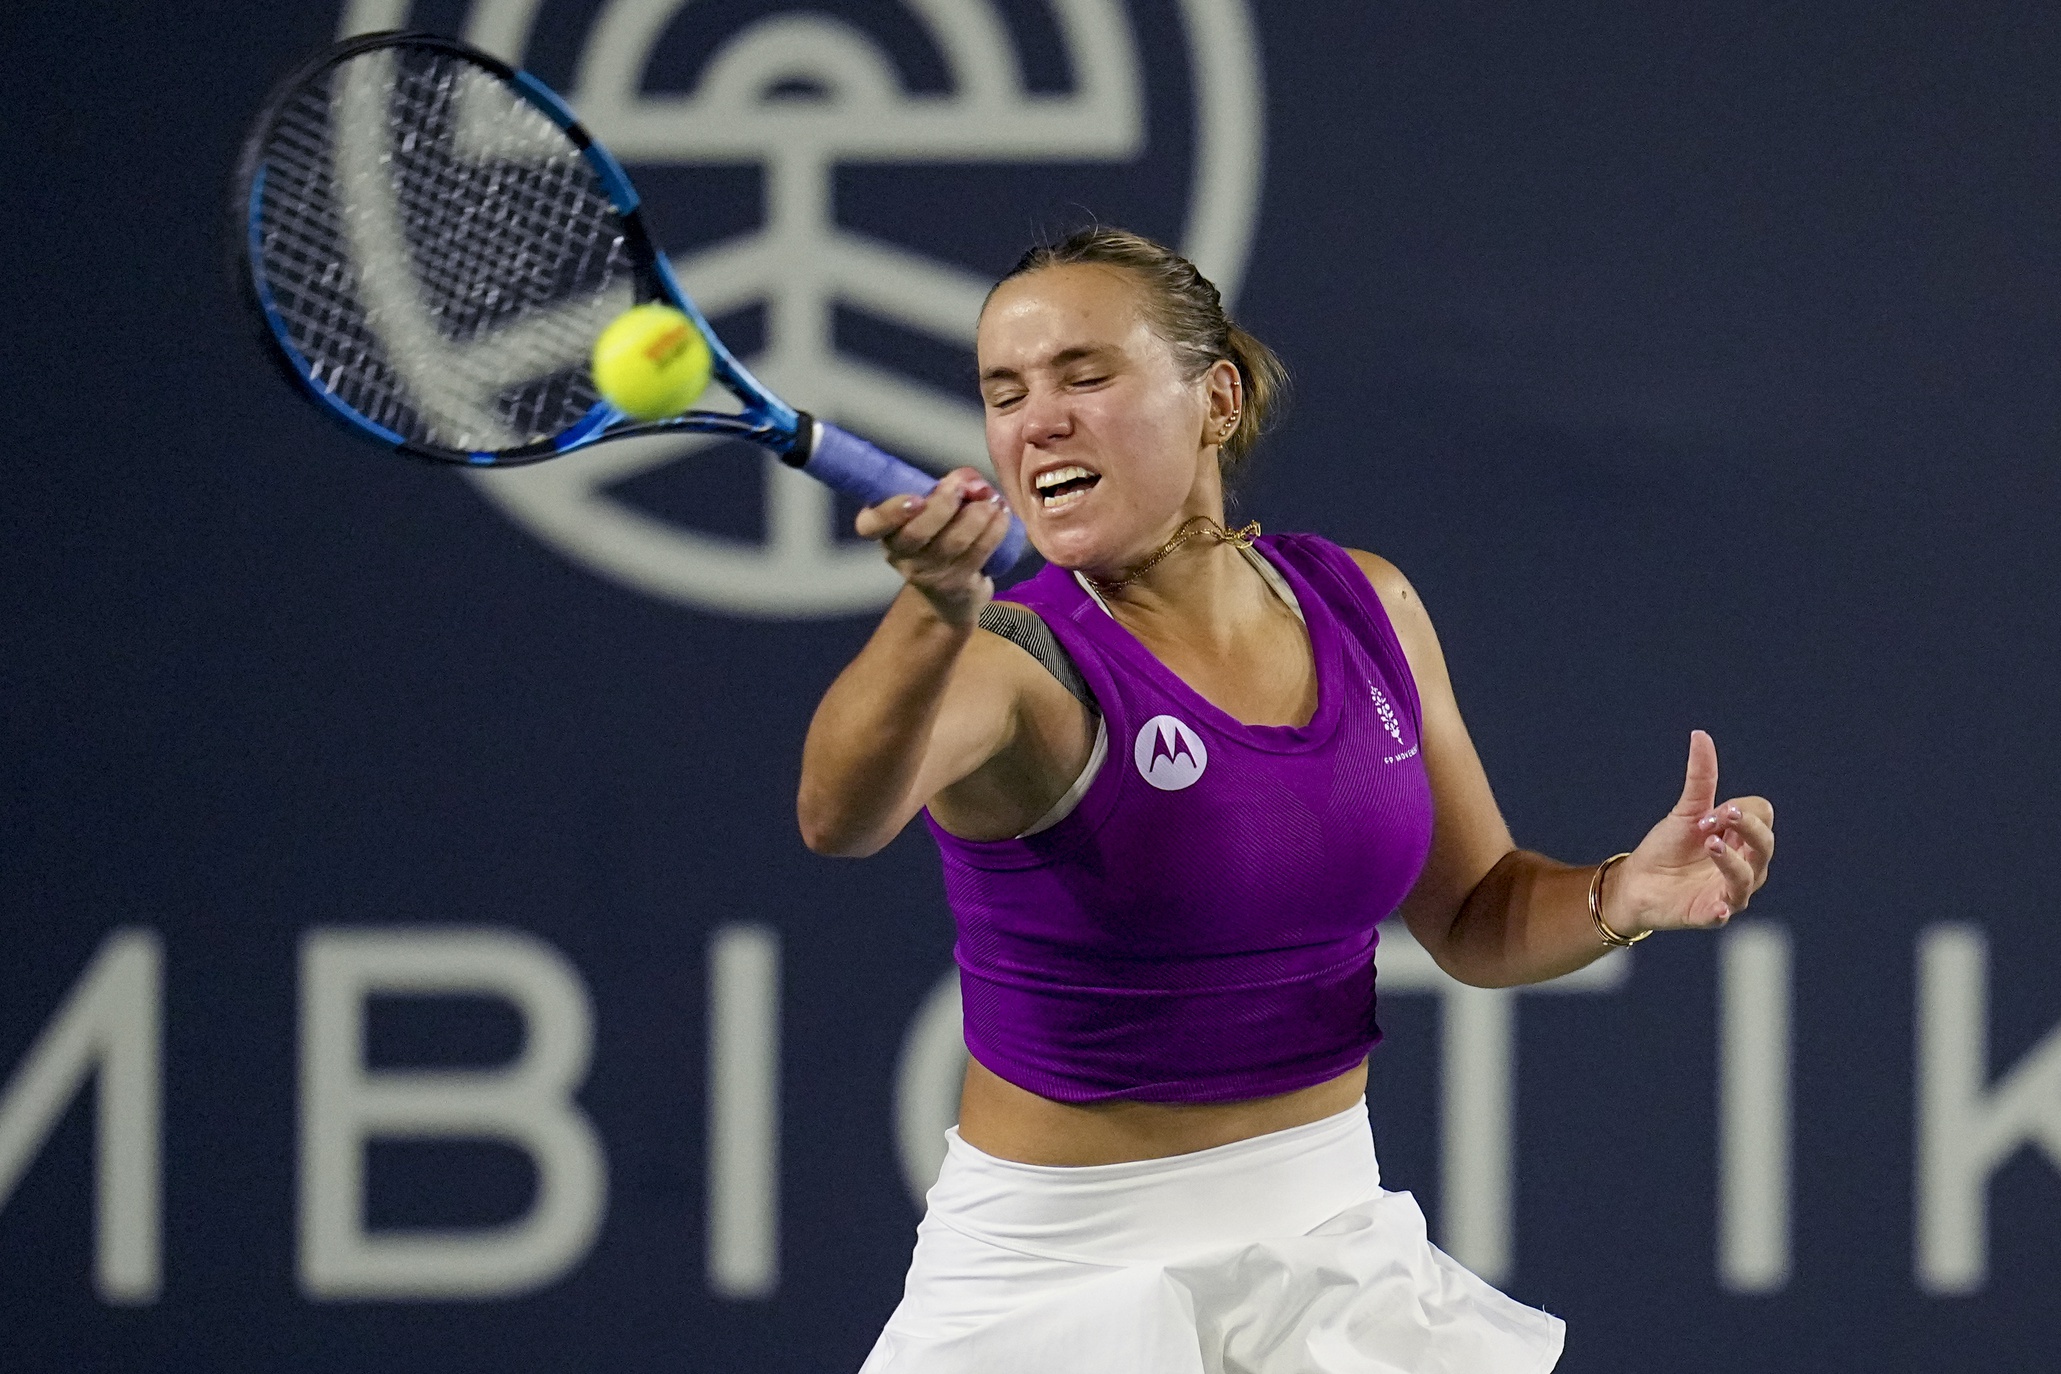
(845,462)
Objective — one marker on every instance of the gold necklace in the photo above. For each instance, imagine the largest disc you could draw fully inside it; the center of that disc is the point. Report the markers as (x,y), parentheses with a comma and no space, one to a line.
(1200,525)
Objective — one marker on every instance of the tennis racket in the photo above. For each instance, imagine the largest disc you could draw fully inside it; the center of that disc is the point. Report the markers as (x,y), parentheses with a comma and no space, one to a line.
(431,243)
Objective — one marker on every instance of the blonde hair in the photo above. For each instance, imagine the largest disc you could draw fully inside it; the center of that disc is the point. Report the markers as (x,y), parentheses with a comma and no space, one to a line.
(1186,310)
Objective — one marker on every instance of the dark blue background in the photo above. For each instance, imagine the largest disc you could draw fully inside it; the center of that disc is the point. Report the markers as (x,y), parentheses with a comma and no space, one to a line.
(1696,361)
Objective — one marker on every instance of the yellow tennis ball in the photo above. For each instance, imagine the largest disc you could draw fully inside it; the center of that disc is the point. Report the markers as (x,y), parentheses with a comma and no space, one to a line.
(651,362)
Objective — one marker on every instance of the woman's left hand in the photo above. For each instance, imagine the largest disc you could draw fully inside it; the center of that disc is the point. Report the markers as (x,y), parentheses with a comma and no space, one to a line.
(1701,864)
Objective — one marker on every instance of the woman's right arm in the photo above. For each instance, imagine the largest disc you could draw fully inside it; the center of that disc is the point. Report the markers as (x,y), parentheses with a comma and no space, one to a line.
(928,701)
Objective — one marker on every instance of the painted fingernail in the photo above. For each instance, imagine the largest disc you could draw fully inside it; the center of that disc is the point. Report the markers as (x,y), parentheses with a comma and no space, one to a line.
(994,498)
(1714,845)
(1706,823)
(1733,812)
(912,503)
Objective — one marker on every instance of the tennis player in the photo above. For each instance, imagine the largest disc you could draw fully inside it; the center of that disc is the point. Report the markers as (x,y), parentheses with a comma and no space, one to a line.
(1177,780)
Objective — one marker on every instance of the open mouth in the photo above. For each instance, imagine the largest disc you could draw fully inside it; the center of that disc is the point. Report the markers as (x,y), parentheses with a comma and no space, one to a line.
(1063,486)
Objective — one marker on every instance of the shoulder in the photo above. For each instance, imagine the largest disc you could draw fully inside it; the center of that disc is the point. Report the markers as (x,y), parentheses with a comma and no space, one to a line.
(1014,645)
(1020,622)
(1398,597)
(1010,623)
(1386,577)
(994,646)
(1014,632)
(1406,613)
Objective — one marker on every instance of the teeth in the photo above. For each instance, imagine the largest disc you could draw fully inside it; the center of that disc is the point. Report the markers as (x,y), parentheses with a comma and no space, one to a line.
(1053,478)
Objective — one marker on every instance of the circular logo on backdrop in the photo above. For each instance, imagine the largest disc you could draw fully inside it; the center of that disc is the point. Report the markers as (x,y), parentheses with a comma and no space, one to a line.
(803,269)
(1169,755)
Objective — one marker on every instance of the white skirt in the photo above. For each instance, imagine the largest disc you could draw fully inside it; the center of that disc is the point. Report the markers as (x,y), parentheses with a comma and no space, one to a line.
(1275,1255)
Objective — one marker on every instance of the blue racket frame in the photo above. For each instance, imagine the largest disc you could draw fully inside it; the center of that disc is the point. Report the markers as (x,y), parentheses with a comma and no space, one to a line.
(835,457)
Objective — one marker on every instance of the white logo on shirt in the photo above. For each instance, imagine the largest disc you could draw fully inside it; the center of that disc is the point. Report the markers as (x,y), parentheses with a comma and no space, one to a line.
(1390,724)
(1169,755)
(1387,714)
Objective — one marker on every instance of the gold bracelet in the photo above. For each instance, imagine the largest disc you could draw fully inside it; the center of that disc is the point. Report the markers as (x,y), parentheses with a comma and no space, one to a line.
(1610,937)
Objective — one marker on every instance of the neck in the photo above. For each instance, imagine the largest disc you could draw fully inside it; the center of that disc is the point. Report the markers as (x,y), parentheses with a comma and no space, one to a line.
(1204,586)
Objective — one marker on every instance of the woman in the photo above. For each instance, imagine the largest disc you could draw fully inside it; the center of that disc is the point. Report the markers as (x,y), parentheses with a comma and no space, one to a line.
(1176,781)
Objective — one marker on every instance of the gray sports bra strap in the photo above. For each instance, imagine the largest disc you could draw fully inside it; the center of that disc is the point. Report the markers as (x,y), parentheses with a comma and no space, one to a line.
(1024,628)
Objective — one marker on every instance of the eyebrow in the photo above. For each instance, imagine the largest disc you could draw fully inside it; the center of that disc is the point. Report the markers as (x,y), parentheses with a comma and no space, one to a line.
(1059,359)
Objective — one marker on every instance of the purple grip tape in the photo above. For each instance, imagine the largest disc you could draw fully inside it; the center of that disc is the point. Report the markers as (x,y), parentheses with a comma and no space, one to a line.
(844,462)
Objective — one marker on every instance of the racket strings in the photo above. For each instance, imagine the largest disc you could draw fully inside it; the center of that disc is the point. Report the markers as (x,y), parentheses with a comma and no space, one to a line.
(309,275)
(441,254)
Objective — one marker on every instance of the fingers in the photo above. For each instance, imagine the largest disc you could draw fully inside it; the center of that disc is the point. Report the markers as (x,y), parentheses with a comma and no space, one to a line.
(940,542)
(1737,837)
(1740,840)
(1699,787)
(1759,807)
(921,533)
(877,522)
(1742,824)
(975,529)
(940,527)
(1738,872)
(910,522)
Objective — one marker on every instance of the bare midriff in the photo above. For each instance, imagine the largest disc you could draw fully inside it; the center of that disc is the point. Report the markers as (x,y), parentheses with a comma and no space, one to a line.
(1008,1122)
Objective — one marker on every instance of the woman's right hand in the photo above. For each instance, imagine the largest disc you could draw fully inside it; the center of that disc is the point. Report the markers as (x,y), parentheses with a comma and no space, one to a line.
(940,542)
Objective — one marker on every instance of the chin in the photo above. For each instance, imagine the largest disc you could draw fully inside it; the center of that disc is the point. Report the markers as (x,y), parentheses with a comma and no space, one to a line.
(1069,546)
(1060,552)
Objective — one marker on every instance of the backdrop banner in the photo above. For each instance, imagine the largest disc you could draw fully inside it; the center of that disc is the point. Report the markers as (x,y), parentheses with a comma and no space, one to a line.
(408,957)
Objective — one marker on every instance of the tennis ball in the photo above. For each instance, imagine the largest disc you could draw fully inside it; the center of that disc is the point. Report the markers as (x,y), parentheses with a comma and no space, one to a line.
(651,362)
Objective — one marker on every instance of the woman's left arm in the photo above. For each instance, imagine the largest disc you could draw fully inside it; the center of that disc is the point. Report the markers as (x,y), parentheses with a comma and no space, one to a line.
(1494,915)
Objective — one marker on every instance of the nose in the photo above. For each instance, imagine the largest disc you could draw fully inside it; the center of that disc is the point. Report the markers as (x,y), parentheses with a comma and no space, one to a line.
(1046,416)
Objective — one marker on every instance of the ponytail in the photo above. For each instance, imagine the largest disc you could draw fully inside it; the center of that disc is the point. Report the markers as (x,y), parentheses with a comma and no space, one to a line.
(1264,380)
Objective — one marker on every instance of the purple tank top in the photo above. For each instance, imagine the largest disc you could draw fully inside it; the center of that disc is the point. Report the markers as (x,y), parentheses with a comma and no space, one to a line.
(1201,927)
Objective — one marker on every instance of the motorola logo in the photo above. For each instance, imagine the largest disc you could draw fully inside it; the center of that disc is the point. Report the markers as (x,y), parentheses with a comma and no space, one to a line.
(1169,755)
